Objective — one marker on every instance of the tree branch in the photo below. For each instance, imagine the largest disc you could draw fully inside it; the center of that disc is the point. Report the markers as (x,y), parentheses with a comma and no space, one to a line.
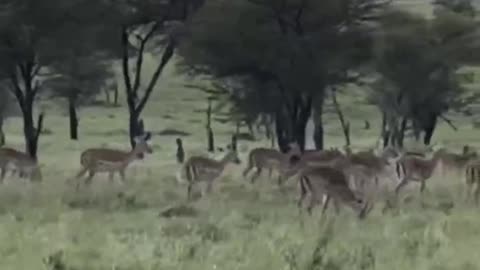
(125,64)
(449,122)
(139,64)
(39,126)
(35,70)
(167,55)
(16,90)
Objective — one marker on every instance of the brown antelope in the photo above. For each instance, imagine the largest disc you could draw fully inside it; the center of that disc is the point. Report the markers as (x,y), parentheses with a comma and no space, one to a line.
(453,162)
(95,160)
(332,182)
(199,168)
(271,159)
(472,179)
(415,169)
(21,162)
(379,166)
(362,169)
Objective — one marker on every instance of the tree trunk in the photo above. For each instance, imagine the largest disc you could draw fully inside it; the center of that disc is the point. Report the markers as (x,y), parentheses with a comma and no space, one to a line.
(430,129)
(135,127)
(291,126)
(180,152)
(301,122)
(211,140)
(234,143)
(345,125)
(115,95)
(318,132)
(401,132)
(31,133)
(2,134)
(268,127)
(73,118)
(281,132)
(237,128)
(107,96)
(210,137)
(384,132)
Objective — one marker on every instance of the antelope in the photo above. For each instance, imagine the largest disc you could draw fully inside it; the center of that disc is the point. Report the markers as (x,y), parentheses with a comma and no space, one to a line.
(95,160)
(199,168)
(415,169)
(271,159)
(21,162)
(472,177)
(332,182)
(376,164)
(454,162)
(362,169)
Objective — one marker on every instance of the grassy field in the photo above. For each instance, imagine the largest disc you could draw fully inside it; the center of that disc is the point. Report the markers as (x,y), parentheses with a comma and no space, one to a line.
(239,226)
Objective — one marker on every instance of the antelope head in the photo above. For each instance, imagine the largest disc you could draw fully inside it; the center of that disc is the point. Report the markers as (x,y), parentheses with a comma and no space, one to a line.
(142,145)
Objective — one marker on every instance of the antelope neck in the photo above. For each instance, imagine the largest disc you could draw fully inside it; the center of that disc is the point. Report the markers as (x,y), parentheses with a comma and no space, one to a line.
(132,155)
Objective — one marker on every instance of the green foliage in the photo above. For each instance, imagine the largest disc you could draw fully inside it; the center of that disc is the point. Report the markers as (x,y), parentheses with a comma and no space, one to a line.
(419,61)
(79,78)
(282,55)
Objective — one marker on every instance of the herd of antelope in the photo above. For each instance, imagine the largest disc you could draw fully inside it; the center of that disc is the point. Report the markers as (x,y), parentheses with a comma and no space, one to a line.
(340,177)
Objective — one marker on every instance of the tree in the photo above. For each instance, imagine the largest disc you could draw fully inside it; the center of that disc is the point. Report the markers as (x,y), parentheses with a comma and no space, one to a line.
(292,50)
(25,47)
(78,80)
(141,27)
(437,48)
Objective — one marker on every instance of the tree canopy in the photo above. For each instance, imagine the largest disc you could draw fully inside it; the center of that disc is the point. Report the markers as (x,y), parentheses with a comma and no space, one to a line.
(293,50)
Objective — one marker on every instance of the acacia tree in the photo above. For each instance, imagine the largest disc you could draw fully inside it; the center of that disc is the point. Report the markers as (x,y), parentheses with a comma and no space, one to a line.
(78,79)
(293,50)
(141,27)
(437,48)
(25,47)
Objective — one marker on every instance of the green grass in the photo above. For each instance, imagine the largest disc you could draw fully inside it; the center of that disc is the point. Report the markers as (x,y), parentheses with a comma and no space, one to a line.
(239,226)
(147,224)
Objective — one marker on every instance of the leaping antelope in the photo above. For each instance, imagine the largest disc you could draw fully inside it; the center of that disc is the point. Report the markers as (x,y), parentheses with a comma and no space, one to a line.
(21,162)
(199,168)
(95,160)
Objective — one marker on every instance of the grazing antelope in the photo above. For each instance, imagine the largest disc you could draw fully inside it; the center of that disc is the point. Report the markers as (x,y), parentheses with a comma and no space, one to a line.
(199,168)
(332,182)
(95,160)
(267,158)
(472,178)
(415,169)
(21,162)
(336,168)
